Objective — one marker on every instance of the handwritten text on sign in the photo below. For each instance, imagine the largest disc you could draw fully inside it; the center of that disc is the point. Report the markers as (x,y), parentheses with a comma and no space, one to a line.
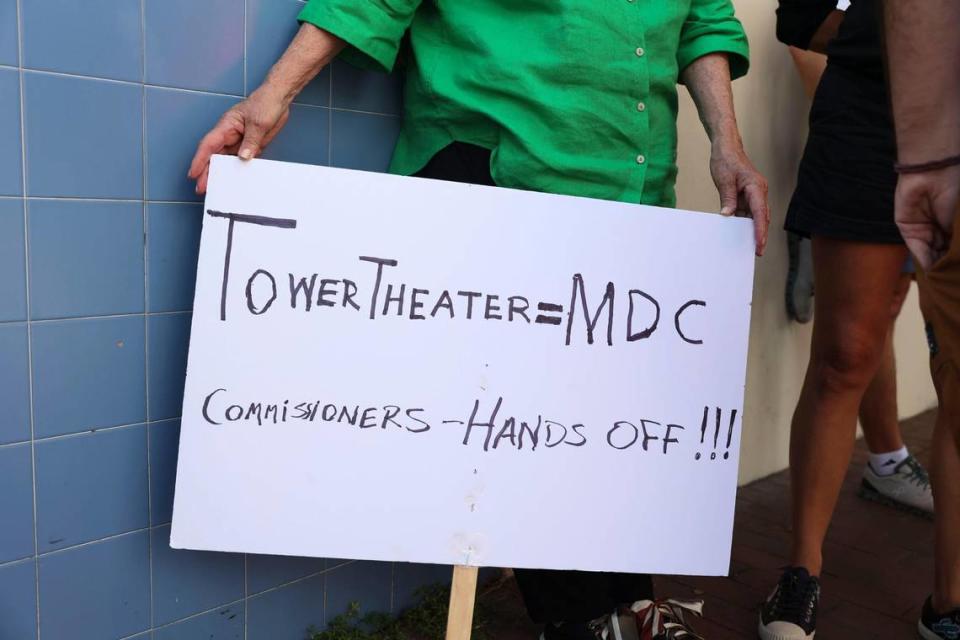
(401,369)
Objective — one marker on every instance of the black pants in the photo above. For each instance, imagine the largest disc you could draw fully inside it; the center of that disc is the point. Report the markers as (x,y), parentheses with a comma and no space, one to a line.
(550,596)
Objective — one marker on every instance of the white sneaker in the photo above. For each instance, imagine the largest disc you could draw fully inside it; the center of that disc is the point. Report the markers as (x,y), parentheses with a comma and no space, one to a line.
(908,487)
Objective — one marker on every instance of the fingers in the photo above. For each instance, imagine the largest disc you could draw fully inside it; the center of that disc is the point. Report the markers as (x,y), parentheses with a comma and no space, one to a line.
(253,141)
(728,197)
(211,143)
(223,136)
(922,252)
(202,181)
(756,195)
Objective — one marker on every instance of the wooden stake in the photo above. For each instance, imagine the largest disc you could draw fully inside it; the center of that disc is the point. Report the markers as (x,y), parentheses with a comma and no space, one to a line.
(463,594)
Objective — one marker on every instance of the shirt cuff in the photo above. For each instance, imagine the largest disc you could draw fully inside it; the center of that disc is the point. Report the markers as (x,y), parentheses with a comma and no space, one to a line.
(373,37)
(737,50)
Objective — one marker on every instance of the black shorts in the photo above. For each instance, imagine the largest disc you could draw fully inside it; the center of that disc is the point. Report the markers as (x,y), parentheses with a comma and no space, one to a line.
(846,181)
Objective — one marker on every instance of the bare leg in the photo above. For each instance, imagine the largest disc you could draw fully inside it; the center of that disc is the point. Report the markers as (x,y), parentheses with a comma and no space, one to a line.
(878,409)
(855,284)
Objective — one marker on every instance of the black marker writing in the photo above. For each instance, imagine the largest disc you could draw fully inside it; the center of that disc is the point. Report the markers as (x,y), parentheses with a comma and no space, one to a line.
(676,320)
(646,333)
(263,221)
(307,289)
(251,305)
(380,262)
(591,323)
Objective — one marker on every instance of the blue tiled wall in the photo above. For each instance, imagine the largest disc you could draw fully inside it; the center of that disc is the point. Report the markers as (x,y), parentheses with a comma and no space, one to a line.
(101,105)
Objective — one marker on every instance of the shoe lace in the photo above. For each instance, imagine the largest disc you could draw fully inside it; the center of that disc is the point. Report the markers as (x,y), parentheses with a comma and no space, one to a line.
(794,601)
(665,618)
(917,474)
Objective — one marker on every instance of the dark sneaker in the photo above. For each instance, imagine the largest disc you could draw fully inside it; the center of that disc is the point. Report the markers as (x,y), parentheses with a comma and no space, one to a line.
(662,619)
(936,626)
(571,631)
(790,613)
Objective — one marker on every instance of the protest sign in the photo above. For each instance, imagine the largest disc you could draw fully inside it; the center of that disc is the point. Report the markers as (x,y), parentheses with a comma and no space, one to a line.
(391,368)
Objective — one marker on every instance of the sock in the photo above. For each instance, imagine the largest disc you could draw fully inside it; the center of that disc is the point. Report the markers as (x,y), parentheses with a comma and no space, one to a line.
(883,464)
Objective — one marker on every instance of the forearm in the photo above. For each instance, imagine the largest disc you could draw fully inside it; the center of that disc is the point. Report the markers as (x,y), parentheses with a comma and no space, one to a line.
(708,80)
(923,52)
(310,51)
(827,32)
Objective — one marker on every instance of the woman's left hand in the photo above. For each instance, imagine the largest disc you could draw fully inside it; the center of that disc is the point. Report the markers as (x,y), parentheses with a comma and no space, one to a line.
(743,191)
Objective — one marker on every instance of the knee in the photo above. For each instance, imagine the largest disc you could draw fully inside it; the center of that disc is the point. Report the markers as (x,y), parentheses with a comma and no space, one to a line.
(846,364)
(900,293)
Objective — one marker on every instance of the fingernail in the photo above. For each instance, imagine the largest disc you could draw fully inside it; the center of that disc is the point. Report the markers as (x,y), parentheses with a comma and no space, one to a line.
(246,154)
(726,211)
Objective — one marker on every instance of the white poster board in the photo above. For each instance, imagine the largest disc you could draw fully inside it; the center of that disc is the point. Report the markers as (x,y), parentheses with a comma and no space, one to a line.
(401,369)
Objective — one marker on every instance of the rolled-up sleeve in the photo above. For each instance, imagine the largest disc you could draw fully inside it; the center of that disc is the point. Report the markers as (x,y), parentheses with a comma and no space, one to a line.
(712,27)
(798,20)
(372,29)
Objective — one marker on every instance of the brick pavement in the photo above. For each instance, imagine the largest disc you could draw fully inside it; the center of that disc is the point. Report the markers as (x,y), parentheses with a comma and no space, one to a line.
(878,564)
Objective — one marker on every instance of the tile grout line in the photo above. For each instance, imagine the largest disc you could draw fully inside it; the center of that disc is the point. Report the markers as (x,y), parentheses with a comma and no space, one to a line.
(246,583)
(245,87)
(393,588)
(192,616)
(326,568)
(133,83)
(358,111)
(146,85)
(77,434)
(113,536)
(110,538)
(109,316)
(26,260)
(86,432)
(146,301)
(246,594)
(329,137)
(102,199)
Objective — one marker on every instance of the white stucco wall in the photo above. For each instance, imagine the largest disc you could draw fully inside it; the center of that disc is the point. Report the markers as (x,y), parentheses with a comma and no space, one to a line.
(772,111)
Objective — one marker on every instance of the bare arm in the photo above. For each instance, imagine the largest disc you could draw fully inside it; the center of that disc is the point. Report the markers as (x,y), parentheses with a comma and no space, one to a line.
(810,66)
(248,128)
(827,32)
(923,51)
(742,189)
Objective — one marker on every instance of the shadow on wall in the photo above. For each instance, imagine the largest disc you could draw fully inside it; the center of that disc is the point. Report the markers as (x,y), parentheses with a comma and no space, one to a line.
(101,105)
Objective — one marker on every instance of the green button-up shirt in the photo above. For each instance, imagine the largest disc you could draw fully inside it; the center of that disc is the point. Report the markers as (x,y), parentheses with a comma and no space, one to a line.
(575,97)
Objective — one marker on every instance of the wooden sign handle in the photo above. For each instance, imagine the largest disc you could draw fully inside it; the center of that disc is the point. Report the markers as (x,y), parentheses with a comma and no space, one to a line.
(463,594)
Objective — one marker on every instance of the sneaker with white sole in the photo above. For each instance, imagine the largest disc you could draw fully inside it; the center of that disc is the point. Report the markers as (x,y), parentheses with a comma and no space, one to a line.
(907,488)
(937,626)
(790,613)
(663,619)
(643,620)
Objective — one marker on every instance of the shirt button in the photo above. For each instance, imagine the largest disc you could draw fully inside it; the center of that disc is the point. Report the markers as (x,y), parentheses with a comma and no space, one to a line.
(640,51)
(641,159)
(641,106)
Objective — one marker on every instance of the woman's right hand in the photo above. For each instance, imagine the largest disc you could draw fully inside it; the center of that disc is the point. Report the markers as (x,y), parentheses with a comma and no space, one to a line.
(245,130)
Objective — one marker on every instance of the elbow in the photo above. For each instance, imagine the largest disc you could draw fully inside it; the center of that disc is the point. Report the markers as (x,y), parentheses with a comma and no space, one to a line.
(785,33)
